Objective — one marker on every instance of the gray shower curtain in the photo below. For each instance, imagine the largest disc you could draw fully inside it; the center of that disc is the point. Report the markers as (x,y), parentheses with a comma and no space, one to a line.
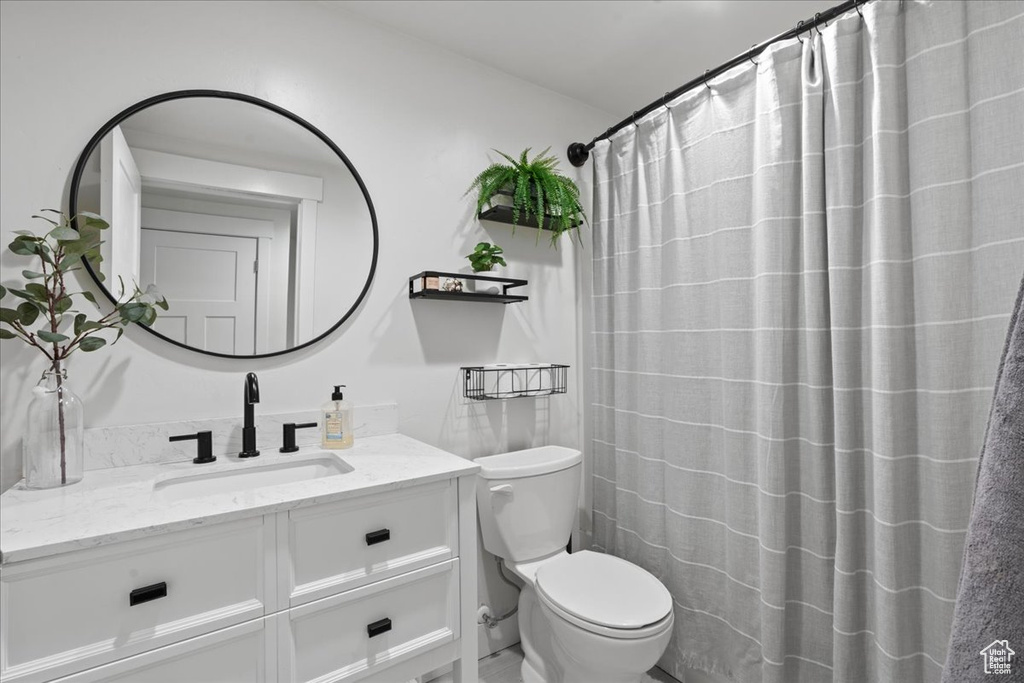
(802,276)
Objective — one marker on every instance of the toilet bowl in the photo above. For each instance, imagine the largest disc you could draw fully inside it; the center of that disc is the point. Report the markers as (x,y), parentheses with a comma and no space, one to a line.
(583,617)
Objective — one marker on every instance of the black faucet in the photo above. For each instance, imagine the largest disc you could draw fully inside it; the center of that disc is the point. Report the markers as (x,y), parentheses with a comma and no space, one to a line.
(251,395)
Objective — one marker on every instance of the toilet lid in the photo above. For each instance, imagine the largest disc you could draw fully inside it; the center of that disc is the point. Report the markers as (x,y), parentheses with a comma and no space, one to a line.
(604,590)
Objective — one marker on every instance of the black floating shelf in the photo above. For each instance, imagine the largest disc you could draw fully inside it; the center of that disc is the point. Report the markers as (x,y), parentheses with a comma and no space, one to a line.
(502,213)
(418,289)
(503,380)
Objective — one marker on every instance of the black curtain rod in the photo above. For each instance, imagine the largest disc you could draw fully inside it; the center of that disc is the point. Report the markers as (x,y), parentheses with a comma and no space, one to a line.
(578,152)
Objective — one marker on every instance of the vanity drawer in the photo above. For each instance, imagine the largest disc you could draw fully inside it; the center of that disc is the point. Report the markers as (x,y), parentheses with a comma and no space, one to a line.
(237,654)
(67,613)
(332,548)
(351,635)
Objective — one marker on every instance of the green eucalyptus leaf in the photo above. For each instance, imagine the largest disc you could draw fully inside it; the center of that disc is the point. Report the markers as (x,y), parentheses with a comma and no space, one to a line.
(44,218)
(153,297)
(93,220)
(120,331)
(38,291)
(68,263)
(62,305)
(150,316)
(76,247)
(52,337)
(80,320)
(3,291)
(23,294)
(24,246)
(9,315)
(7,334)
(134,312)
(27,313)
(32,275)
(24,232)
(92,343)
(89,296)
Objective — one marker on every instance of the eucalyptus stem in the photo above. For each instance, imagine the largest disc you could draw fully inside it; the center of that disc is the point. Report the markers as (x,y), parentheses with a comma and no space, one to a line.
(60,423)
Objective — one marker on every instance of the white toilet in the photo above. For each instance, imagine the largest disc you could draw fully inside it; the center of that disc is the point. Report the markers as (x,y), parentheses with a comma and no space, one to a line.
(584,617)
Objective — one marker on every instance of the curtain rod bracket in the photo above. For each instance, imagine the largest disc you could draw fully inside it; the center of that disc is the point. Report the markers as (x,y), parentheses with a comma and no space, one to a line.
(578,154)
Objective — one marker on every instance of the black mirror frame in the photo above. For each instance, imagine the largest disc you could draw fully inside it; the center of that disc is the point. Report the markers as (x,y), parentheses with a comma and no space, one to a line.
(185,94)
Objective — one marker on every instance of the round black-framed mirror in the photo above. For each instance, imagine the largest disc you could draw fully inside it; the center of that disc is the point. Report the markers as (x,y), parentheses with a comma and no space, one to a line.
(249,178)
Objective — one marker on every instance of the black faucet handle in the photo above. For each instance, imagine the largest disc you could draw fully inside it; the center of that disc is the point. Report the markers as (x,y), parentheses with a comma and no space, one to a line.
(204,447)
(288,437)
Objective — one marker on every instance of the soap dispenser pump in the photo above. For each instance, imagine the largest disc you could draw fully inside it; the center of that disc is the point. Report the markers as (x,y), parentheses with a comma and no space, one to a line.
(337,421)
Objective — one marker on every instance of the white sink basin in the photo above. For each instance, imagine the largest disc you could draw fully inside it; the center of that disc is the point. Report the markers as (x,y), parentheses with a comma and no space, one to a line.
(248,476)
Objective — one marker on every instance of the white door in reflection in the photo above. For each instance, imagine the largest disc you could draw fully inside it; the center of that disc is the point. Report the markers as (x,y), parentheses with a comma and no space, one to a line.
(210,284)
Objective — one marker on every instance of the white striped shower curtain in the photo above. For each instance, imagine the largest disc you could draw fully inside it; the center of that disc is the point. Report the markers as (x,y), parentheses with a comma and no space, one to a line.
(802,279)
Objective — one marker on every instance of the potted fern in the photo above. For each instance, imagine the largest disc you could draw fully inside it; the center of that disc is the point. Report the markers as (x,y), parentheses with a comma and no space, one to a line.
(47,320)
(539,196)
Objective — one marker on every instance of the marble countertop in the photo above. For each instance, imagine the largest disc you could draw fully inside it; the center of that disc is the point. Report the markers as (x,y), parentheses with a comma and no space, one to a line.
(121,503)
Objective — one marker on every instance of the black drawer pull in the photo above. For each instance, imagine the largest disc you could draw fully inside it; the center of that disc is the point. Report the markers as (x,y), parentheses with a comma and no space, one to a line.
(141,595)
(378,536)
(379,627)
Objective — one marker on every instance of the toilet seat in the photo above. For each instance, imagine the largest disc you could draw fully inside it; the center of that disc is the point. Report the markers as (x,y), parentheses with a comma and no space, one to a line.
(604,594)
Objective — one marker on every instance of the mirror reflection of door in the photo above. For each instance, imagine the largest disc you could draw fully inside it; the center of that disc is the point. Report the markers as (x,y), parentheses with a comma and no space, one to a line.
(156,212)
(210,269)
(209,282)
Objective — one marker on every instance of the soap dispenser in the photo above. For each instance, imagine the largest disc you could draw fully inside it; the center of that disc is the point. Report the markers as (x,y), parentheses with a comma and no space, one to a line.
(337,421)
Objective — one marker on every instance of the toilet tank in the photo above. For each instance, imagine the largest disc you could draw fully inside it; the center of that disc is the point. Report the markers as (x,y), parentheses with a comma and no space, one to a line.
(527,501)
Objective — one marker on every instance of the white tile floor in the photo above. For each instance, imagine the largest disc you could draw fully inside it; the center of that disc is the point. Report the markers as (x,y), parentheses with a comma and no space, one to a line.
(503,667)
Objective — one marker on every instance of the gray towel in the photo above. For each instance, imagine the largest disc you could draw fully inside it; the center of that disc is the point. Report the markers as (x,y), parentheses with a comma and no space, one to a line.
(990,598)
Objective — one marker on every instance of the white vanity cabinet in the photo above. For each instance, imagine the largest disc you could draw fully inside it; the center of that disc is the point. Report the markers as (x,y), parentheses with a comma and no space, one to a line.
(374,587)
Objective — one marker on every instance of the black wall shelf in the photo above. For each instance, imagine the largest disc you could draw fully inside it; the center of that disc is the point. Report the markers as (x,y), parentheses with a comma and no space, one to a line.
(502,213)
(505,380)
(418,290)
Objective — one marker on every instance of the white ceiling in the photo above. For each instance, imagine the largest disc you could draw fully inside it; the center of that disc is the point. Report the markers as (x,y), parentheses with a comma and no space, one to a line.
(616,55)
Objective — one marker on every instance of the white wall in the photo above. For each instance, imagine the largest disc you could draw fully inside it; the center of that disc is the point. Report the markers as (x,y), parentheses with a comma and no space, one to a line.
(417,123)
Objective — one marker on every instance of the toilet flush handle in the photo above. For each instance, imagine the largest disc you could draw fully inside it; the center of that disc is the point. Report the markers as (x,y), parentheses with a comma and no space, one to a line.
(502,489)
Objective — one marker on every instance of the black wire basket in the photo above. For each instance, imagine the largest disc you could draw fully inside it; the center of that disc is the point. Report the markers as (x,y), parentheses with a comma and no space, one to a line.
(506,380)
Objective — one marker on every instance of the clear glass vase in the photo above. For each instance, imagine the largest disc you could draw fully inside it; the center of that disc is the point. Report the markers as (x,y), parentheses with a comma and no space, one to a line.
(53,446)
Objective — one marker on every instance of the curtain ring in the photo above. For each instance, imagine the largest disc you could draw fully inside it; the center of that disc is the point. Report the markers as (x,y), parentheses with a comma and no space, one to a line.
(706,72)
(634,120)
(664,99)
(752,56)
(816,22)
(799,26)
(857,7)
